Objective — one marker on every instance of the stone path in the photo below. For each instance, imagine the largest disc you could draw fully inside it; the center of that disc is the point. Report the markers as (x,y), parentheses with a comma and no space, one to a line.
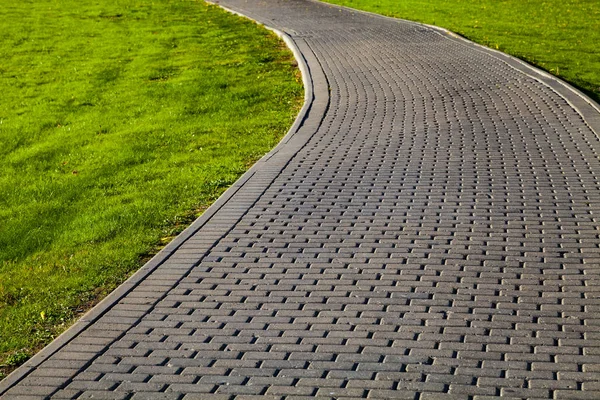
(428,230)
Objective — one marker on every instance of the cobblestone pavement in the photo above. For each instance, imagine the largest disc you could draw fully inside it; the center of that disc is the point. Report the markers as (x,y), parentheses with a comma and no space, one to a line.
(430,231)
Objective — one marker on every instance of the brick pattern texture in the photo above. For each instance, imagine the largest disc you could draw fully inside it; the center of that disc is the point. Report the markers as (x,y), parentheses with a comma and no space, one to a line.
(436,237)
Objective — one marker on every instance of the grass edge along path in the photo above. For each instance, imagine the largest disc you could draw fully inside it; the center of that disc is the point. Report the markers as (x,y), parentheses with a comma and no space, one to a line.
(119,123)
(558,37)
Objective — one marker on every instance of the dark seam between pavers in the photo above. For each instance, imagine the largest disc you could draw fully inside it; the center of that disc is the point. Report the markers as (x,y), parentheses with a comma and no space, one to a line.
(468,314)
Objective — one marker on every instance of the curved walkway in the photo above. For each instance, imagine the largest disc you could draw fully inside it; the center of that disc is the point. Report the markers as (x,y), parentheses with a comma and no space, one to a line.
(429,229)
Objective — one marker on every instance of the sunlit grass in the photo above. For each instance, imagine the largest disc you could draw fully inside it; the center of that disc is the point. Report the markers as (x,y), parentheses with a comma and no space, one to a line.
(120,122)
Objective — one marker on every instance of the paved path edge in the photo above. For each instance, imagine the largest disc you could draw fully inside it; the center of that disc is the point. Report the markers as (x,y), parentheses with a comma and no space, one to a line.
(132,282)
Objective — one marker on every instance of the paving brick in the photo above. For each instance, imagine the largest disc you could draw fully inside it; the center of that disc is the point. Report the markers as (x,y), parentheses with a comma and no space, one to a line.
(291,390)
(190,388)
(32,390)
(240,389)
(260,397)
(104,395)
(92,385)
(575,395)
(525,392)
(156,396)
(341,392)
(391,394)
(63,394)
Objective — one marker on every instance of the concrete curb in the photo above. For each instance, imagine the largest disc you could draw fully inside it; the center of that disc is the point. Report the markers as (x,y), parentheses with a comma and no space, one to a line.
(125,288)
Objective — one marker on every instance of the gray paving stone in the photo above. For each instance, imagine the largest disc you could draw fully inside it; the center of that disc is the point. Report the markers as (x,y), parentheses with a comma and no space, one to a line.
(426,230)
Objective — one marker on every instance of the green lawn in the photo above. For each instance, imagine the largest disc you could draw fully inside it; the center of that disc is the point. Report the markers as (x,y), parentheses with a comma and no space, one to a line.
(560,37)
(120,121)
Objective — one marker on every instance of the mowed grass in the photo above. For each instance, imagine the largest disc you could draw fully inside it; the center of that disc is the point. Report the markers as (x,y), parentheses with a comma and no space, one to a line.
(560,37)
(120,121)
